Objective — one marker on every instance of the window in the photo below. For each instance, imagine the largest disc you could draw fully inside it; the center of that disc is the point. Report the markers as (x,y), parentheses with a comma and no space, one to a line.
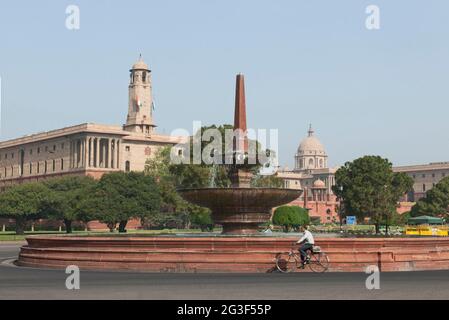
(38,167)
(424,187)
(54,165)
(31,168)
(54,148)
(127,166)
(62,164)
(45,166)
(423,175)
(144,76)
(38,150)
(12,155)
(433,175)
(127,148)
(31,151)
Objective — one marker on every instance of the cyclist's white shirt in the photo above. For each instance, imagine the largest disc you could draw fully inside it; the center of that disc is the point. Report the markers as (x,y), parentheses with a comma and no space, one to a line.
(308,237)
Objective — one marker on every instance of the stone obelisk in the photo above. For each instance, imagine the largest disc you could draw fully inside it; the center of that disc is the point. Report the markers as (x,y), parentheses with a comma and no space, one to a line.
(241,144)
(239,175)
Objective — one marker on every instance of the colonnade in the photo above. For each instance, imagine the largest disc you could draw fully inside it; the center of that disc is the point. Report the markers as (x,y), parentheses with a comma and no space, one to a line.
(95,152)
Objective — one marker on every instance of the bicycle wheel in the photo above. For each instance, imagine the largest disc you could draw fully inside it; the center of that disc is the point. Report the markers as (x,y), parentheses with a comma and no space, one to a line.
(319,262)
(286,262)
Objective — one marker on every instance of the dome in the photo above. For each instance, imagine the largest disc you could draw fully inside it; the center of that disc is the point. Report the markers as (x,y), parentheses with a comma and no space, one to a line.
(319,184)
(311,145)
(140,64)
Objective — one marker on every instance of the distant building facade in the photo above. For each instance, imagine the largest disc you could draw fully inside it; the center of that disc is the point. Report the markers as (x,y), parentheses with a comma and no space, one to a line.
(315,178)
(425,177)
(89,149)
(312,174)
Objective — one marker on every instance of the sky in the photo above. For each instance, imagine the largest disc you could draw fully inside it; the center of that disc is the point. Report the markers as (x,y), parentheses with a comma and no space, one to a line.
(379,92)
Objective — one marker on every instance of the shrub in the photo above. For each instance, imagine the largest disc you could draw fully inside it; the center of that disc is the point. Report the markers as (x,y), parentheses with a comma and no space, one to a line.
(290,217)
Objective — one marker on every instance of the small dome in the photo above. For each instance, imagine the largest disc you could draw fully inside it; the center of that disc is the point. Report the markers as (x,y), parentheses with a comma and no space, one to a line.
(140,64)
(311,145)
(319,184)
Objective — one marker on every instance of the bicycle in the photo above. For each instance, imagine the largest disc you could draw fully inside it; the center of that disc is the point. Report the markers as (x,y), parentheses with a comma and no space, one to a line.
(318,261)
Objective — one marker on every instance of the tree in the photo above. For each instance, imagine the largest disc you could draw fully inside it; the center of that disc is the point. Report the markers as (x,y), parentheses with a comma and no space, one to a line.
(436,201)
(204,174)
(267,181)
(66,197)
(23,202)
(368,187)
(290,216)
(201,218)
(120,196)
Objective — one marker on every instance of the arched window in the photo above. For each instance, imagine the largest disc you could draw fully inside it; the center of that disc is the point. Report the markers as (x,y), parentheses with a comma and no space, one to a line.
(62,164)
(127,166)
(310,162)
(31,168)
(54,165)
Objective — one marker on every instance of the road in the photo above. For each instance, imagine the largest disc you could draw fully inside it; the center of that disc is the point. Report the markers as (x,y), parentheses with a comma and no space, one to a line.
(26,283)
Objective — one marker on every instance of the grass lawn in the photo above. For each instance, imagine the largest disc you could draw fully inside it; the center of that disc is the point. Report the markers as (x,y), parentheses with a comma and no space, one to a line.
(11,236)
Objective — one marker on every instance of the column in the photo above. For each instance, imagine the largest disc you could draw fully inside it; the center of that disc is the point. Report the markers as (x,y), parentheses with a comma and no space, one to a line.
(86,152)
(76,153)
(91,152)
(70,154)
(103,154)
(117,147)
(97,156)
(81,153)
(108,163)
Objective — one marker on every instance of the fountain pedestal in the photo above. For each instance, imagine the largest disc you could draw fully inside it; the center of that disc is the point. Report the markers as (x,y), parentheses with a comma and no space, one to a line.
(240,210)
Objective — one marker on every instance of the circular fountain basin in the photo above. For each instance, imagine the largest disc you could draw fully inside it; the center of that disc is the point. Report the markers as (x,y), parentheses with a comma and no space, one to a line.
(240,210)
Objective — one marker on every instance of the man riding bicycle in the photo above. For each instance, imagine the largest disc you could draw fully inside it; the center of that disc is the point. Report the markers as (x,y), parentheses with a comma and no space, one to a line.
(307,242)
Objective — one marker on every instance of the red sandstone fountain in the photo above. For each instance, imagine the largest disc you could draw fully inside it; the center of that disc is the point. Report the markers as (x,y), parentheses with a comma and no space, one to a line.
(240,209)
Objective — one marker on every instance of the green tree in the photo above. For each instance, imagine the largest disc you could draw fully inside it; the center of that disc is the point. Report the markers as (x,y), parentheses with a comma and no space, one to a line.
(436,201)
(290,217)
(23,202)
(368,187)
(120,196)
(267,181)
(66,197)
(201,218)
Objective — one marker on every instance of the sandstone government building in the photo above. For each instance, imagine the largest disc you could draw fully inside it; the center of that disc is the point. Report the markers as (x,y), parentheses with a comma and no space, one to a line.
(94,149)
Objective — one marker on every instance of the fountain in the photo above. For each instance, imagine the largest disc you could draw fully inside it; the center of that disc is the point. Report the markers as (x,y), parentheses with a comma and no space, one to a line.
(240,209)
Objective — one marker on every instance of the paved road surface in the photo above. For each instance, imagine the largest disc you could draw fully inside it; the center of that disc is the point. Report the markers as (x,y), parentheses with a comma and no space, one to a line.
(25,283)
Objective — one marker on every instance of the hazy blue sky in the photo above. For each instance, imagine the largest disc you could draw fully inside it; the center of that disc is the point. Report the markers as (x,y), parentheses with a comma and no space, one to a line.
(382,92)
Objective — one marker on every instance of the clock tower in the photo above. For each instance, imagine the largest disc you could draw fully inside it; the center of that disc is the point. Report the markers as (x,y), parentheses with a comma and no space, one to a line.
(140,101)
